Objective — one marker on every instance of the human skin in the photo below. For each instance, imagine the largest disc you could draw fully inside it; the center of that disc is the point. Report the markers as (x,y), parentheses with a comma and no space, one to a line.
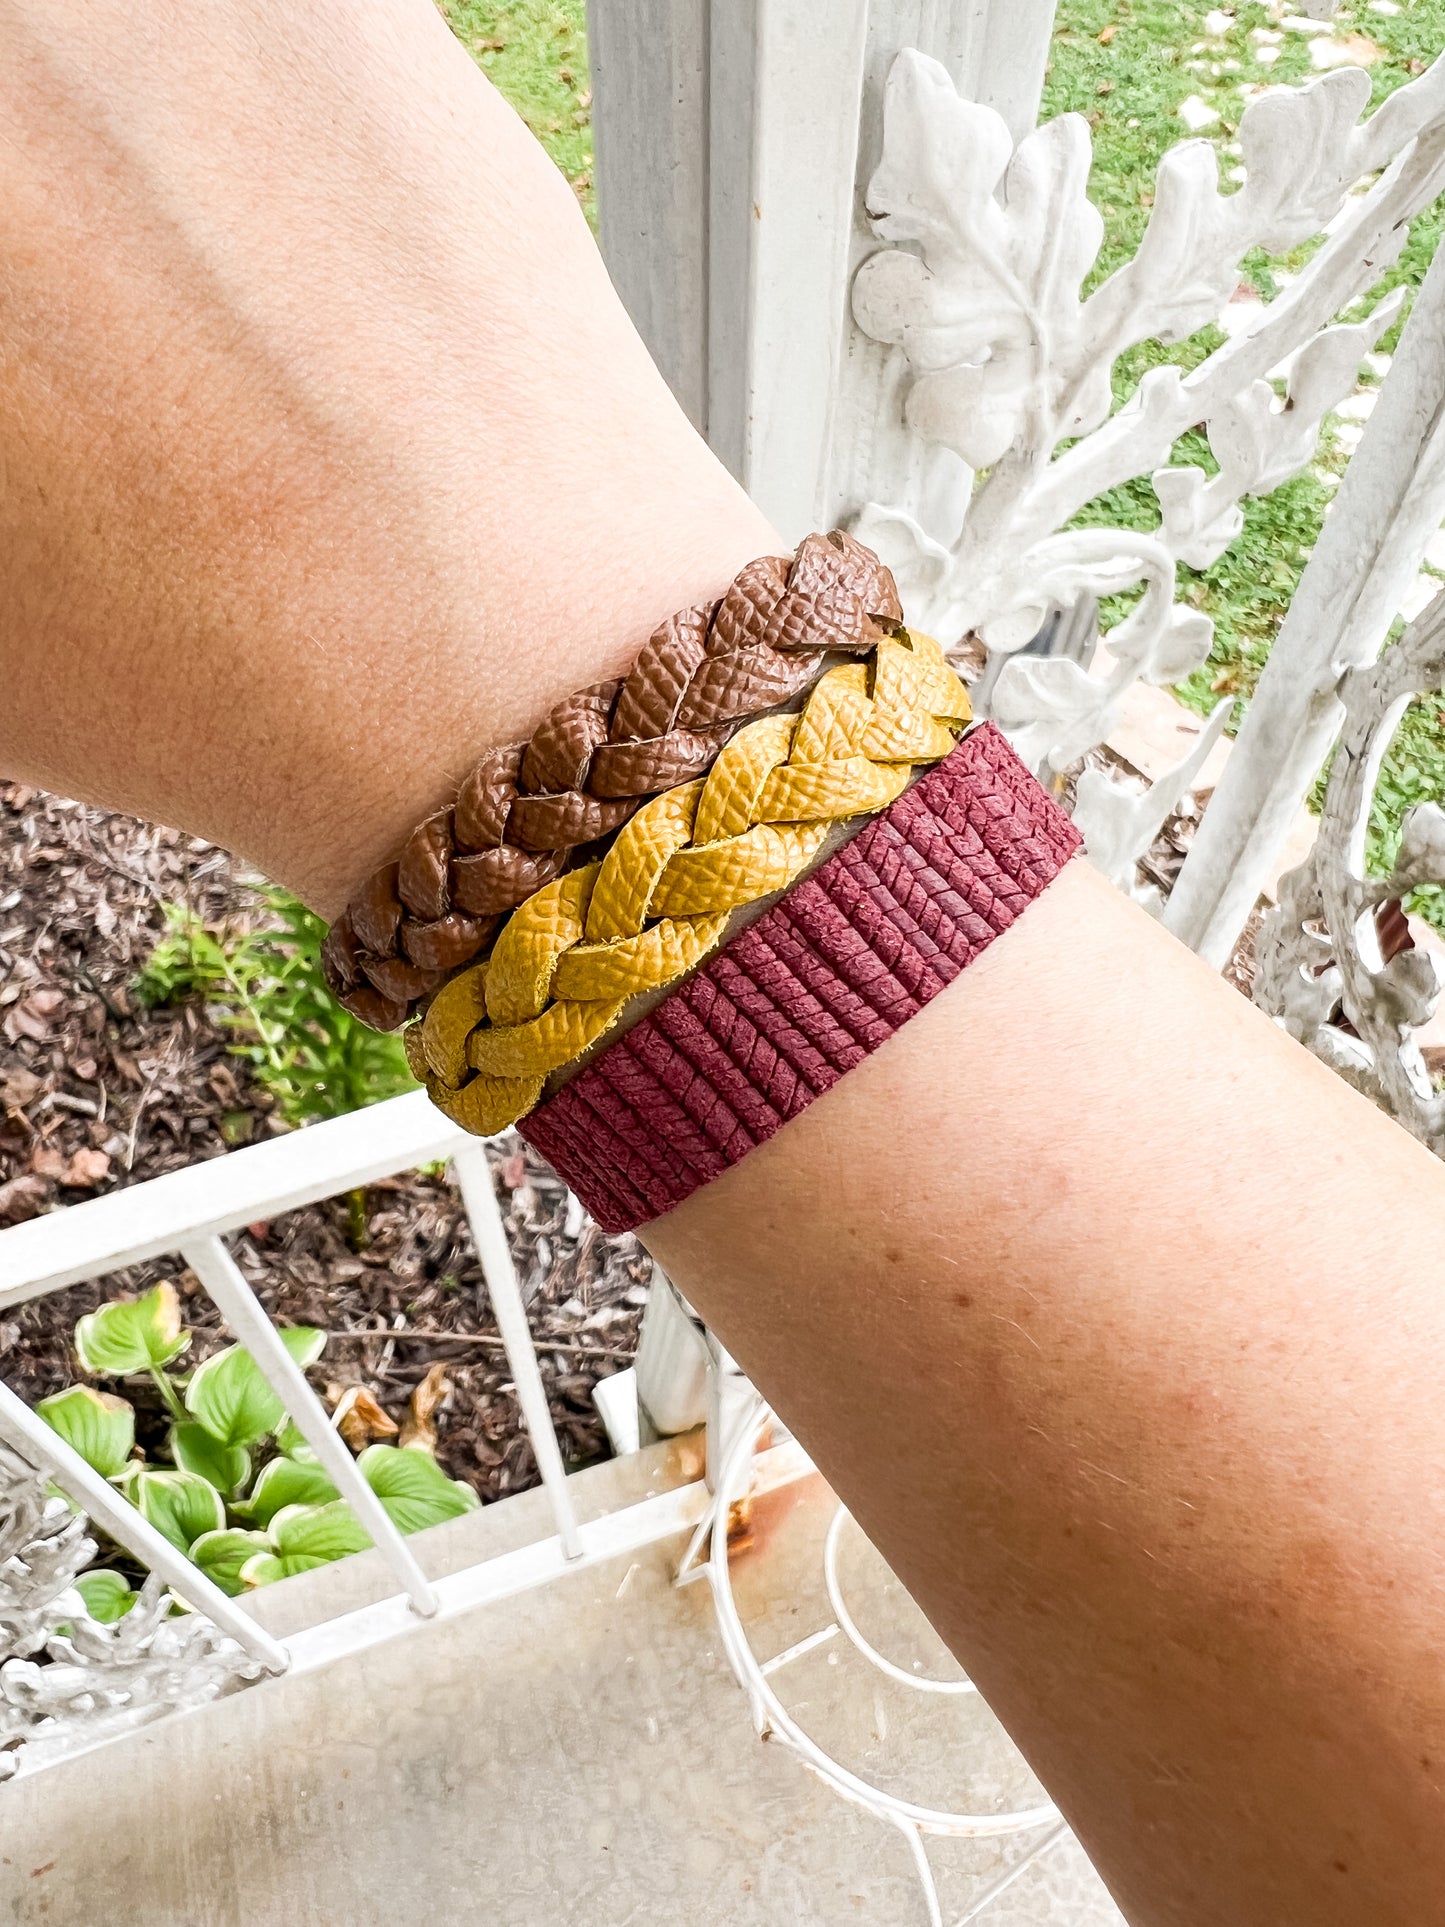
(328,459)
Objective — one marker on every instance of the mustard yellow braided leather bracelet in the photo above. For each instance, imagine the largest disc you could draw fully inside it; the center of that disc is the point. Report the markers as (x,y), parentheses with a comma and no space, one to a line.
(578,951)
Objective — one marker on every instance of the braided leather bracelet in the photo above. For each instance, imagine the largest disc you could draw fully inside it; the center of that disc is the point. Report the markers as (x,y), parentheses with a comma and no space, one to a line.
(594,760)
(570,959)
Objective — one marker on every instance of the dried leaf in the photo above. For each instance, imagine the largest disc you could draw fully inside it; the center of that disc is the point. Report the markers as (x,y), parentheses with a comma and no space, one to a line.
(359,1419)
(23,1197)
(419,1425)
(19,1088)
(21,1021)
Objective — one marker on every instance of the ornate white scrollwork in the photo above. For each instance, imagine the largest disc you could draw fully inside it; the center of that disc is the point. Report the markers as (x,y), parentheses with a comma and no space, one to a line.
(1323,968)
(979,284)
(43,1549)
(87,1676)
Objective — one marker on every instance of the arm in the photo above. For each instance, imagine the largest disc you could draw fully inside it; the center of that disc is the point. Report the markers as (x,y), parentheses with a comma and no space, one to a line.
(328,458)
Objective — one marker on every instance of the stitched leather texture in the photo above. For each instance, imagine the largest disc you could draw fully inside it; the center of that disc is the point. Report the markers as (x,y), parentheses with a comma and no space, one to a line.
(806,992)
(593,761)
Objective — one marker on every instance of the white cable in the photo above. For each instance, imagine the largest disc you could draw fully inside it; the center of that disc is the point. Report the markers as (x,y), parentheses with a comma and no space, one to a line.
(920,1682)
(772,1718)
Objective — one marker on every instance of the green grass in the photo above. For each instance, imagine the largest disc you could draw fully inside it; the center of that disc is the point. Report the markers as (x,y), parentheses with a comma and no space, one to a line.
(1127,66)
(535,52)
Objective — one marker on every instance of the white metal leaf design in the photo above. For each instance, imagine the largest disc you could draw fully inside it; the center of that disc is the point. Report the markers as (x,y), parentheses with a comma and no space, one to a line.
(979,289)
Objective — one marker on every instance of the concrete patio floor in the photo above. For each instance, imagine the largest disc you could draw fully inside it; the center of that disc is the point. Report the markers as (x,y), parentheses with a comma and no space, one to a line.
(580,1753)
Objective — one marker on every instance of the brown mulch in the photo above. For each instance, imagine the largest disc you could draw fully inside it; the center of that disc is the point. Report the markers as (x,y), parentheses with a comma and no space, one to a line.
(96,1091)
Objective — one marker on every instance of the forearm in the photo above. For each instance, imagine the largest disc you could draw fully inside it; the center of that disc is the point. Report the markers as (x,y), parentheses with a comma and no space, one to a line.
(329,454)
(338,462)
(1085,1291)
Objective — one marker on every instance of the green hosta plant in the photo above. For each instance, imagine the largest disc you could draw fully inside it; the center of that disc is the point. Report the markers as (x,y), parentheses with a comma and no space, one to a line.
(412,1487)
(97,1425)
(234,1405)
(243,1496)
(222,1555)
(135,1335)
(194,1449)
(303,1537)
(287,1481)
(108,1595)
(181,1505)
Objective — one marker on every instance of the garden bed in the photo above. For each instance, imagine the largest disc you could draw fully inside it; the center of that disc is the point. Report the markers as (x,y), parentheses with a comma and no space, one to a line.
(97,1090)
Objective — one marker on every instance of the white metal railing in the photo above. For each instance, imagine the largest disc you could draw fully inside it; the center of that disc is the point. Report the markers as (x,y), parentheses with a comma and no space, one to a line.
(189,1212)
(793,216)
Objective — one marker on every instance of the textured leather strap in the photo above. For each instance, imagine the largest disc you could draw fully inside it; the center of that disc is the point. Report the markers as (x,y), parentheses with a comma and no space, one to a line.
(572,958)
(807,991)
(593,761)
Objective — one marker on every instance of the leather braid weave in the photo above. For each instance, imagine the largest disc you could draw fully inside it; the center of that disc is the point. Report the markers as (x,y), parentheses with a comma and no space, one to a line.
(572,957)
(592,763)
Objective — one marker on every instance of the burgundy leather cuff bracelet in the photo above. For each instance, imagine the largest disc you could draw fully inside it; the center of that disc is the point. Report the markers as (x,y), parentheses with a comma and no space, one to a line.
(808,989)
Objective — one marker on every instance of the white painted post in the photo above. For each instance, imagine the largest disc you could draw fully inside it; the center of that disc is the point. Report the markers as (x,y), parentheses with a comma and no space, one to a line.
(474,1180)
(649,116)
(671,1370)
(733,143)
(785,96)
(1389,504)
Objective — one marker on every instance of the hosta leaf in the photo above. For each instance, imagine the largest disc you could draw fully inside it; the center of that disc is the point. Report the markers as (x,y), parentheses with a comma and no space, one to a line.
(178,1504)
(107,1595)
(413,1488)
(231,1398)
(306,1536)
(194,1449)
(288,1482)
(262,1570)
(133,1334)
(291,1440)
(221,1555)
(97,1425)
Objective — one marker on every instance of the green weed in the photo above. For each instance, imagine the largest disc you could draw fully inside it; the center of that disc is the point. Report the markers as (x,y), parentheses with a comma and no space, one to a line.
(314,1057)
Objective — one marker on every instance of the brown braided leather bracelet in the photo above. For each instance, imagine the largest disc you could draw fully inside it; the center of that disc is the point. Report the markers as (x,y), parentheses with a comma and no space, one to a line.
(527,811)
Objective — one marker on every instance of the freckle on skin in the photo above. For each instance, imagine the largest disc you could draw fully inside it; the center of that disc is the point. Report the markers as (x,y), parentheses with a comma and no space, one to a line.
(1341,1866)
(963,1301)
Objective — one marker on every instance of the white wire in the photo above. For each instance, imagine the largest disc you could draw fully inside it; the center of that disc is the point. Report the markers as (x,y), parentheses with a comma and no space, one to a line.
(772,1718)
(920,1682)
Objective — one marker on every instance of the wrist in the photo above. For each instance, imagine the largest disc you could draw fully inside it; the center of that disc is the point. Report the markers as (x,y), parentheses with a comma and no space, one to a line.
(507,871)
(478,652)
